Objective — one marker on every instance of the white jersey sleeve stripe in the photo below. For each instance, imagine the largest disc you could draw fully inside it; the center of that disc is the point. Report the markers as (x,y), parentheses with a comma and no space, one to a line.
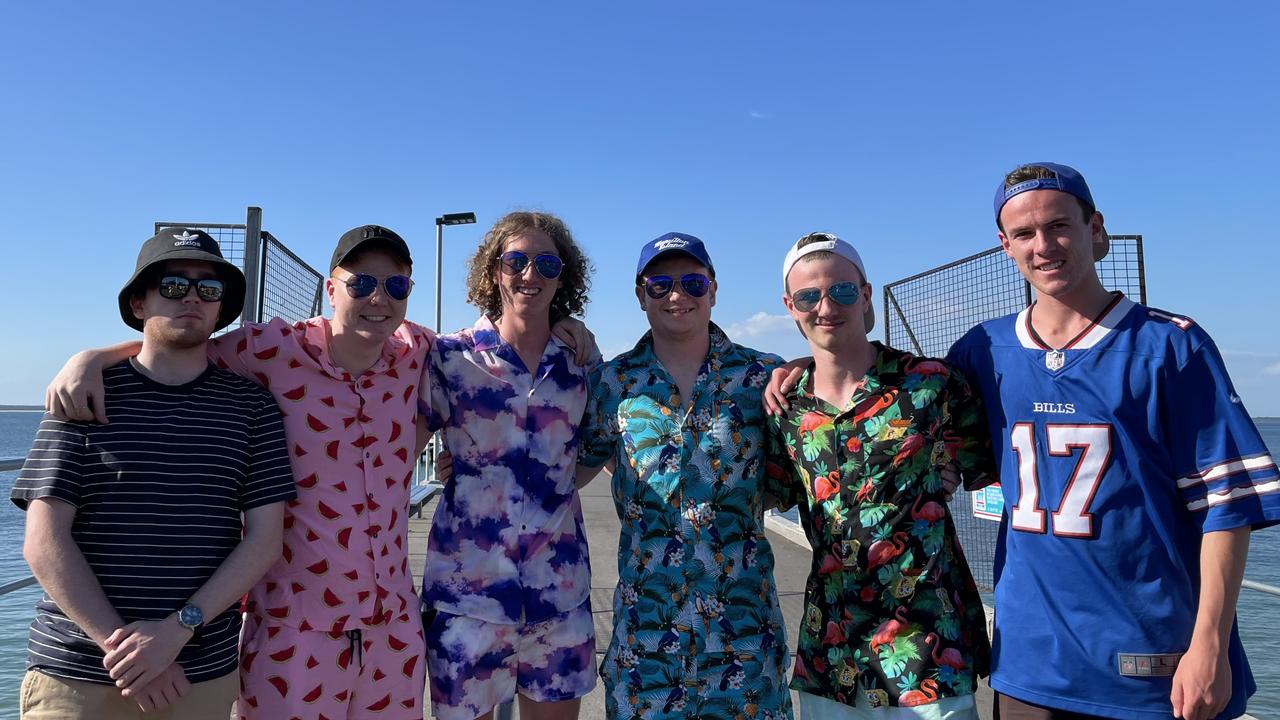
(1230,467)
(1215,499)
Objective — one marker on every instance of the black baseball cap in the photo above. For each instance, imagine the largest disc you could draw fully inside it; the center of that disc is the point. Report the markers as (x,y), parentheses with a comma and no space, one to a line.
(178,243)
(355,237)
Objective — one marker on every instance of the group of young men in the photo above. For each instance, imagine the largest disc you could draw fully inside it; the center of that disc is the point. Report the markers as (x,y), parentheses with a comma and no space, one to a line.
(1131,472)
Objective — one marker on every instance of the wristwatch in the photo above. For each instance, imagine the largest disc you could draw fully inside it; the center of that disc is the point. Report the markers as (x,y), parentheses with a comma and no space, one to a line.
(190,617)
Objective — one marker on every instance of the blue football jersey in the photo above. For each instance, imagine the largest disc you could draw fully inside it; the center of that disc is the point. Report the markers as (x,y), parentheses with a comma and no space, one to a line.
(1116,453)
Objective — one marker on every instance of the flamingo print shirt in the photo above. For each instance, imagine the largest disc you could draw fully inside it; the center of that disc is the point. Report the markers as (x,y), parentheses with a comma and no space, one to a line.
(695,570)
(345,559)
(891,609)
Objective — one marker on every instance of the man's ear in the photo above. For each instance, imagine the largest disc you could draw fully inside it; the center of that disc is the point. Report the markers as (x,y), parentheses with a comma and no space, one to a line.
(1004,243)
(1101,243)
(135,304)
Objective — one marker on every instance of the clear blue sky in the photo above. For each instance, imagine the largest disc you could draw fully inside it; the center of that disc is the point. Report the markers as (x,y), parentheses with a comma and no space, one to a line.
(745,123)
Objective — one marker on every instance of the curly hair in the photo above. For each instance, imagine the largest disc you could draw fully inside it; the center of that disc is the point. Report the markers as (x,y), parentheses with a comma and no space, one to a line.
(575,281)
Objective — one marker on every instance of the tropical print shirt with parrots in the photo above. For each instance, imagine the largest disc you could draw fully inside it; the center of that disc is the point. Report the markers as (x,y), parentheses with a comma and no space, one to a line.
(697,625)
(891,609)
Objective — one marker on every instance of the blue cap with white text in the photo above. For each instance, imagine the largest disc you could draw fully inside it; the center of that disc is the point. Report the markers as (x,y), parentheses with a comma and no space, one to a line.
(674,242)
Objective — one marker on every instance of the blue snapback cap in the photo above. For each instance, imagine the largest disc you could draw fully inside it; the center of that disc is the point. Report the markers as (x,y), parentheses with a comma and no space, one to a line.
(1066,179)
(674,242)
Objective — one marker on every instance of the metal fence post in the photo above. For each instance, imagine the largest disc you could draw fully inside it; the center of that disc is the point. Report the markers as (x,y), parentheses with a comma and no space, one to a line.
(252,264)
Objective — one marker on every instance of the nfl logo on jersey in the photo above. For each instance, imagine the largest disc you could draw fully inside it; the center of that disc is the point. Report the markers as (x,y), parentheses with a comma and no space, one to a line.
(1055,359)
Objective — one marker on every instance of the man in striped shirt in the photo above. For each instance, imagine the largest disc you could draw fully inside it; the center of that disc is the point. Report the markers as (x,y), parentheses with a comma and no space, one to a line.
(146,532)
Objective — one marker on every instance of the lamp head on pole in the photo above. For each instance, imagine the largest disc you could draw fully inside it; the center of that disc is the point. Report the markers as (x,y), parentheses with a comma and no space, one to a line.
(465,218)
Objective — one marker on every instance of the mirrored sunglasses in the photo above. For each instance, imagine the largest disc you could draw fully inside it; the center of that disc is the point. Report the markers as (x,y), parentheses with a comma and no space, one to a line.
(693,285)
(361,285)
(176,287)
(547,265)
(844,293)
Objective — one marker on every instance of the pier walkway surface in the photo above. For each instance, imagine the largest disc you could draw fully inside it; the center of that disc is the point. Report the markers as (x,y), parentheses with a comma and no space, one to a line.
(791,569)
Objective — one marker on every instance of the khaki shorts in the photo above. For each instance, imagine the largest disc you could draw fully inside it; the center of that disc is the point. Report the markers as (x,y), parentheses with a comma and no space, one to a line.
(45,697)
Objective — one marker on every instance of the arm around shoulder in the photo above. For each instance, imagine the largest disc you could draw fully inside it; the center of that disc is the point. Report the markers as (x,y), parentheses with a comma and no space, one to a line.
(76,392)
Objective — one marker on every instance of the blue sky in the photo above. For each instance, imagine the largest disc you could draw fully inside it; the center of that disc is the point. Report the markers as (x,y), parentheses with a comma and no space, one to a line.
(747,124)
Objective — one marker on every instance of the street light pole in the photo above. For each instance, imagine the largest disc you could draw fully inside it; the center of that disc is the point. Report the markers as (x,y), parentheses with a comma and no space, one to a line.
(439,258)
(447,219)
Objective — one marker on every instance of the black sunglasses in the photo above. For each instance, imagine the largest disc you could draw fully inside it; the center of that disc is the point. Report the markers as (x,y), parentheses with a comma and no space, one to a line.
(547,265)
(693,284)
(361,285)
(845,293)
(176,287)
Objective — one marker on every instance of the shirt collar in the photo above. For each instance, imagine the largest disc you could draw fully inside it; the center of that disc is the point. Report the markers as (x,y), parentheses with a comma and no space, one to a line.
(316,343)
(485,336)
(642,354)
(873,379)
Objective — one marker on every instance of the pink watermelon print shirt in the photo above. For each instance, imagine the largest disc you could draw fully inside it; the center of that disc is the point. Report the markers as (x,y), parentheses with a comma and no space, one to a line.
(507,543)
(345,561)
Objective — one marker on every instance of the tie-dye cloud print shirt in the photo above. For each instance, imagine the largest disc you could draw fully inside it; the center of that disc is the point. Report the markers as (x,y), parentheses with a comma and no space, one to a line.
(507,543)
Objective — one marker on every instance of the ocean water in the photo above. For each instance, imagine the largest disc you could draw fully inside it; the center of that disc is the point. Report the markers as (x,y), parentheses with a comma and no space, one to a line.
(17,429)
(1256,611)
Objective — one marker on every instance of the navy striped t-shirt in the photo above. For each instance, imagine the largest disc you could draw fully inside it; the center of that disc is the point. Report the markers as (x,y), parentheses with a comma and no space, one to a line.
(158,494)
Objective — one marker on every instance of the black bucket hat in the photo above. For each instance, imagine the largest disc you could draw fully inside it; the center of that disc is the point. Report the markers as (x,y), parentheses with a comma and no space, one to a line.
(177,243)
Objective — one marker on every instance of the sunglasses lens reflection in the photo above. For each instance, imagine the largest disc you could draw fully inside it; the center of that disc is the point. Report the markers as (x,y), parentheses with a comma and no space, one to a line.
(806,299)
(209,290)
(514,263)
(174,288)
(549,266)
(696,285)
(658,286)
(399,286)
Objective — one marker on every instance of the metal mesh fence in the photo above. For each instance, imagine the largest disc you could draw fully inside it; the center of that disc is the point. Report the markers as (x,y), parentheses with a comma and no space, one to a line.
(928,312)
(289,288)
(230,238)
(281,284)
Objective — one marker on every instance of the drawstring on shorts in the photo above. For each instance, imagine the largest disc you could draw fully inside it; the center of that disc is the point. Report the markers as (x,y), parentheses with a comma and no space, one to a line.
(357,646)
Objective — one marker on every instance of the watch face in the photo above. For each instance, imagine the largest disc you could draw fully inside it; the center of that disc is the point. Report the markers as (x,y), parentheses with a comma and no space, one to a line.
(190,616)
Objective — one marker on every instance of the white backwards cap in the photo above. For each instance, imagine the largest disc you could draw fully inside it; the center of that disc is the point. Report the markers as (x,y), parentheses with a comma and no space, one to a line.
(832,244)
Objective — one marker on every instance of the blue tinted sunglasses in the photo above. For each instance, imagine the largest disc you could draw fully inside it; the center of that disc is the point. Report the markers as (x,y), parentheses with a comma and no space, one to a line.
(547,265)
(693,284)
(361,285)
(845,293)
